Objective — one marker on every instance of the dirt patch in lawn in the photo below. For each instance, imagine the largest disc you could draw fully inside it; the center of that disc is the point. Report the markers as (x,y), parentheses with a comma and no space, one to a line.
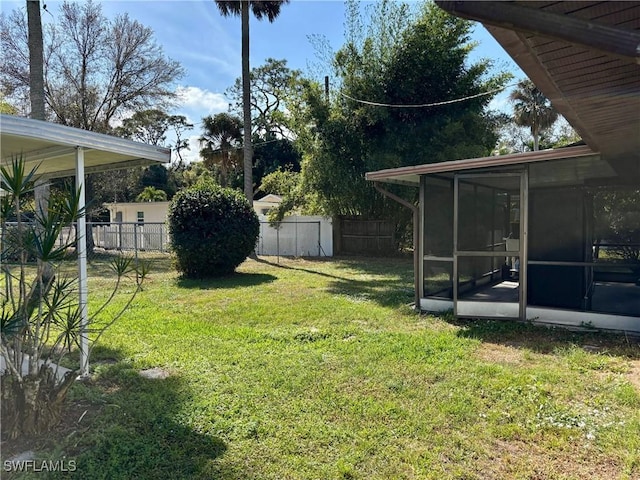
(504,354)
(77,418)
(519,459)
(633,375)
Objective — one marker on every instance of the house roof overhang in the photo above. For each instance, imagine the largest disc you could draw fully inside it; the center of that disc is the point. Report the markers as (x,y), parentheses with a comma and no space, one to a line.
(52,148)
(584,57)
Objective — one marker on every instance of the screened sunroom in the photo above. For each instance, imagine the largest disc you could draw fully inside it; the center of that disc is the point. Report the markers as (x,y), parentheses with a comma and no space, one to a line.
(550,236)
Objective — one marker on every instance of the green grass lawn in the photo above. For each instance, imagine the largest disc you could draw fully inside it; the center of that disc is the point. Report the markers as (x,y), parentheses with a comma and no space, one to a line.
(321,370)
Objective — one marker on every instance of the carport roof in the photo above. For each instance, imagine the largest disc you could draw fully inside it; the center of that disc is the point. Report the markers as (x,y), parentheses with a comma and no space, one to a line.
(52,148)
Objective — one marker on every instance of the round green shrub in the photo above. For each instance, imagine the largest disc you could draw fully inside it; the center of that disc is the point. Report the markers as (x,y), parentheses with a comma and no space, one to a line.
(212,229)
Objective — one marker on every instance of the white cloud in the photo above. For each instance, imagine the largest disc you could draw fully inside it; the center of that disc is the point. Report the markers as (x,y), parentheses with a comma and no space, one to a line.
(193,154)
(197,102)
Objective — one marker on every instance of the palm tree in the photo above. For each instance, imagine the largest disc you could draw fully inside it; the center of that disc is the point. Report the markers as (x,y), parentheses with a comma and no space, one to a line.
(151,194)
(532,109)
(221,140)
(261,9)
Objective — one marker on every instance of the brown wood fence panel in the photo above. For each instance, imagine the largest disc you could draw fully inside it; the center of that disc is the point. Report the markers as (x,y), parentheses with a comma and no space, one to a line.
(356,236)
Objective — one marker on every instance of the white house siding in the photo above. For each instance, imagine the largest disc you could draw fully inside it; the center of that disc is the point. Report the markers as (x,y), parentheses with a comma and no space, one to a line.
(154,212)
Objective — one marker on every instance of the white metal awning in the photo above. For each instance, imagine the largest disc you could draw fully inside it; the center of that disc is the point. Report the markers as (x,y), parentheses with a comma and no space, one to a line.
(60,151)
(53,148)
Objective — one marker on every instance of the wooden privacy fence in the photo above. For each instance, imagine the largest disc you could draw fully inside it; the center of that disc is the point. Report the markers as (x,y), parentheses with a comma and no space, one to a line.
(357,236)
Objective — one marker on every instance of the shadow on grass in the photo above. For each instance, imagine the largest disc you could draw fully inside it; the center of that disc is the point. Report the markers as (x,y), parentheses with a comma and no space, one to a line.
(388,282)
(234,280)
(136,427)
(542,339)
(299,269)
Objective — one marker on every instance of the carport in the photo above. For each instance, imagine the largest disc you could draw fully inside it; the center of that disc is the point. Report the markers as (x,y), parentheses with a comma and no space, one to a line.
(61,151)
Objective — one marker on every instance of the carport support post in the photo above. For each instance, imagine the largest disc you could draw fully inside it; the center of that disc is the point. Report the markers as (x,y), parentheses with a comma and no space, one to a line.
(81,249)
(416,238)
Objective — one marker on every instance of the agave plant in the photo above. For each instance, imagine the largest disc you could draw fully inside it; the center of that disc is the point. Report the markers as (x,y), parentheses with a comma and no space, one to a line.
(41,319)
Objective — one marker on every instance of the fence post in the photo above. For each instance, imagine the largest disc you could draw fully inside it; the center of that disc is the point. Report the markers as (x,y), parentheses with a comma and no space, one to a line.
(135,241)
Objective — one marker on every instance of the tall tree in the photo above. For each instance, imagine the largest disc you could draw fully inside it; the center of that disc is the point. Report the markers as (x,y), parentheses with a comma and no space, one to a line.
(221,140)
(274,90)
(532,109)
(95,68)
(36,60)
(273,86)
(261,9)
(152,126)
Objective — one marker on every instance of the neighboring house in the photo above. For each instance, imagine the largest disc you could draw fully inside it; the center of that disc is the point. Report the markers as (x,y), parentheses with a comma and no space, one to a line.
(138,212)
(519,236)
(266,203)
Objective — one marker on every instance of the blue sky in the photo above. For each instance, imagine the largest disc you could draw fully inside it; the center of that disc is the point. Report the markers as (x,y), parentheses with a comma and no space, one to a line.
(208,45)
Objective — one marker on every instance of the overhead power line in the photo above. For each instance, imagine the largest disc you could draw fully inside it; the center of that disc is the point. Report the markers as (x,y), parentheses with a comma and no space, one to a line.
(423,105)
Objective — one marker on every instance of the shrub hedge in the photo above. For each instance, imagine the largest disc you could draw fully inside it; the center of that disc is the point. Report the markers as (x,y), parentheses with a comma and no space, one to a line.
(212,229)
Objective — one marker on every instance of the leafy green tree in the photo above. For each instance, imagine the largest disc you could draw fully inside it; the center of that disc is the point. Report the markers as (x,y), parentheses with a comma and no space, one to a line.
(288,185)
(152,127)
(221,142)
(394,61)
(261,9)
(272,86)
(532,109)
(272,155)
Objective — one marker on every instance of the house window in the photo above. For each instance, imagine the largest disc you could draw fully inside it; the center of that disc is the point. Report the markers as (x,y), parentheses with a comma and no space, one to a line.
(140,217)
(119,217)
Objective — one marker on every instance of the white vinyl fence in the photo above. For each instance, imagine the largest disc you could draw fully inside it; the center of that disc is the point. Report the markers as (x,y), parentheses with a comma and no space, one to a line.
(130,236)
(296,236)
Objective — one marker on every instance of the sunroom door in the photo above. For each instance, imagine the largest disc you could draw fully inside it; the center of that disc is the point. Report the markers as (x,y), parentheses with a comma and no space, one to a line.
(489,265)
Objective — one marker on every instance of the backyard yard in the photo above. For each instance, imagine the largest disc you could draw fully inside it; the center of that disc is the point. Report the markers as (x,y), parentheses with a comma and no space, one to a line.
(298,369)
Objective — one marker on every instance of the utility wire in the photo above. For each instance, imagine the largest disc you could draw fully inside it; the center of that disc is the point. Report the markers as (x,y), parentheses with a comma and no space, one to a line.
(423,105)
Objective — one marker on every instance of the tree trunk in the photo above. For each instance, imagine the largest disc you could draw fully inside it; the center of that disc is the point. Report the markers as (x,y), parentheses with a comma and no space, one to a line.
(36,60)
(246,105)
(34,407)
(36,96)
